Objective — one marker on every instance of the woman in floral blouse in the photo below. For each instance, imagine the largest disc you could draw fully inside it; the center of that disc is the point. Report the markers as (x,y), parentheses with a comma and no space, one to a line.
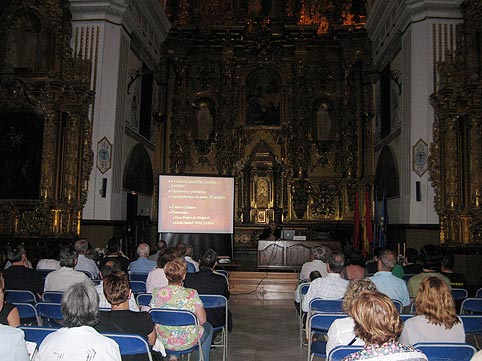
(378,324)
(176,296)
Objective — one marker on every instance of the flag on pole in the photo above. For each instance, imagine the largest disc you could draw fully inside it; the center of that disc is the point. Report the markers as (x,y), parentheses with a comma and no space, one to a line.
(367,229)
(356,224)
(382,231)
(376,221)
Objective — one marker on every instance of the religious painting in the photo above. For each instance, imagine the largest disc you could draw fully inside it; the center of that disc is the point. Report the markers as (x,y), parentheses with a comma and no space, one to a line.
(203,124)
(21,154)
(263,97)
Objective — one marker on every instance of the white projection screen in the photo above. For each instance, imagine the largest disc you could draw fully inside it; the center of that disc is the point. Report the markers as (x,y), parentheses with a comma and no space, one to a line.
(196,204)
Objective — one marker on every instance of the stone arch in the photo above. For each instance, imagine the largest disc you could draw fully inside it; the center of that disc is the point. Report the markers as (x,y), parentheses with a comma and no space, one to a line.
(138,176)
(387,174)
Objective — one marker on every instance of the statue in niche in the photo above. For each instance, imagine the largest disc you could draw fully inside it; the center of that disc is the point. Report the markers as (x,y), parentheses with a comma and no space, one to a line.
(263,97)
(324,127)
(203,127)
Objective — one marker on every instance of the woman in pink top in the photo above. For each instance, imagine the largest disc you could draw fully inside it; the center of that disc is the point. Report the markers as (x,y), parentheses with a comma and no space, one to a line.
(157,278)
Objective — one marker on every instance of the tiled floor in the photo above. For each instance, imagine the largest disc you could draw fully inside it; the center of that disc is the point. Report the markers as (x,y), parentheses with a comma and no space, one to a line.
(263,330)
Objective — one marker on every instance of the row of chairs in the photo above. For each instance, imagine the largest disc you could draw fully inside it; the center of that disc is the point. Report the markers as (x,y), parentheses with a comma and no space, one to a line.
(319,323)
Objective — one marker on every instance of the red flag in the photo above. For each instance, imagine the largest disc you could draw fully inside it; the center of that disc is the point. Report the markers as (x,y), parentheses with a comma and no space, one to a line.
(368,229)
(356,224)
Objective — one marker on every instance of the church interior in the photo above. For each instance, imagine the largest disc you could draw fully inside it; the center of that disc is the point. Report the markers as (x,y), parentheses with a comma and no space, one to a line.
(326,114)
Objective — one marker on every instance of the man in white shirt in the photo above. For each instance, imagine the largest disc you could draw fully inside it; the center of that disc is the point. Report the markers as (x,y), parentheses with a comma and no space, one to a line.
(318,263)
(332,286)
(84,263)
(66,276)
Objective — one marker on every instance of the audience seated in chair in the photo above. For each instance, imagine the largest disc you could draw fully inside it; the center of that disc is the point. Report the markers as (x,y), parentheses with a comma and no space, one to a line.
(142,264)
(342,331)
(19,276)
(175,296)
(457,280)
(319,259)
(121,319)
(431,257)
(61,279)
(8,313)
(108,268)
(12,344)
(84,263)
(313,276)
(410,265)
(160,246)
(78,340)
(386,282)
(378,324)
(188,254)
(113,253)
(205,282)
(354,263)
(332,286)
(436,319)
(50,260)
(156,278)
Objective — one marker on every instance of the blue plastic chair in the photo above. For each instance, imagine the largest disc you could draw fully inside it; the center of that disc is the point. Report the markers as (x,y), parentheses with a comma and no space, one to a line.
(216,302)
(445,351)
(339,352)
(478,294)
(191,268)
(21,296)
(398,305)
(406,316)
(37,333)
(130,344)
(28,313)
(472,326)
(471,305)
(330,306)
(138,277)
(138,287)
(52,296)
(319,323)
(50,313)
(44,272)
(144,299)
(177,318)
(459,294)
(221,271)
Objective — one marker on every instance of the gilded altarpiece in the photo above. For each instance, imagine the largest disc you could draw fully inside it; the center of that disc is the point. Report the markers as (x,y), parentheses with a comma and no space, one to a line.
(44,99)
(455,160)
(284,103)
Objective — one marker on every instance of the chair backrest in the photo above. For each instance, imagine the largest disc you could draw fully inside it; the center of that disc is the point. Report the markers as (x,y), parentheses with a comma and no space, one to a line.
(87,273)
(303,289)
(440,351)
(168,317)
(406,316)
(138,287)
(144,299)
(214,301)
(21,296)
(398,305)
(222,272)
(407,276)
(472,324)
(130,344)
(49,310)
(191,268)
(321,322)
(329,306)
(44,272)
(52,296)
(459,293)
(27,312)
(138,277)
(37,333)
(339,352)
(471,305)
(478,294)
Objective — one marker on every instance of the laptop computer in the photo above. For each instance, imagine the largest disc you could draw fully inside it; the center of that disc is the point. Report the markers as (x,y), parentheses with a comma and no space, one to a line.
(287,234)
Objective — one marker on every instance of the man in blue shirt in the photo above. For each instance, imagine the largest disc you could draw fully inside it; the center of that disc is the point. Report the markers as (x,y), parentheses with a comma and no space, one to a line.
(142,264)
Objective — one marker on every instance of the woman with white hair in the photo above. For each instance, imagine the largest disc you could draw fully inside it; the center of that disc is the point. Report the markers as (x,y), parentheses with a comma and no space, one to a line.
(78,340)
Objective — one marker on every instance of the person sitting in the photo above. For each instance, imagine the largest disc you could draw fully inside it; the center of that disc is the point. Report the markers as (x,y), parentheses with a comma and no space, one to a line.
(61,279)
(378,324)
(142,264)
(50,262)
(157,278)
(436,319)
(341,331)
(161,244)
(113,253)
(77,340)
(108,268)
(431,256)
(313,276)
(175,296)
(121,319)
(8,313)
(188,254)
(319,257)
(271,233)
(19,276)
(354,269)
(12,344)
(28,264)
(410,265)
(386,282)
(330,287)
(181,249)
(457,280)
(83,263)
(205,282)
